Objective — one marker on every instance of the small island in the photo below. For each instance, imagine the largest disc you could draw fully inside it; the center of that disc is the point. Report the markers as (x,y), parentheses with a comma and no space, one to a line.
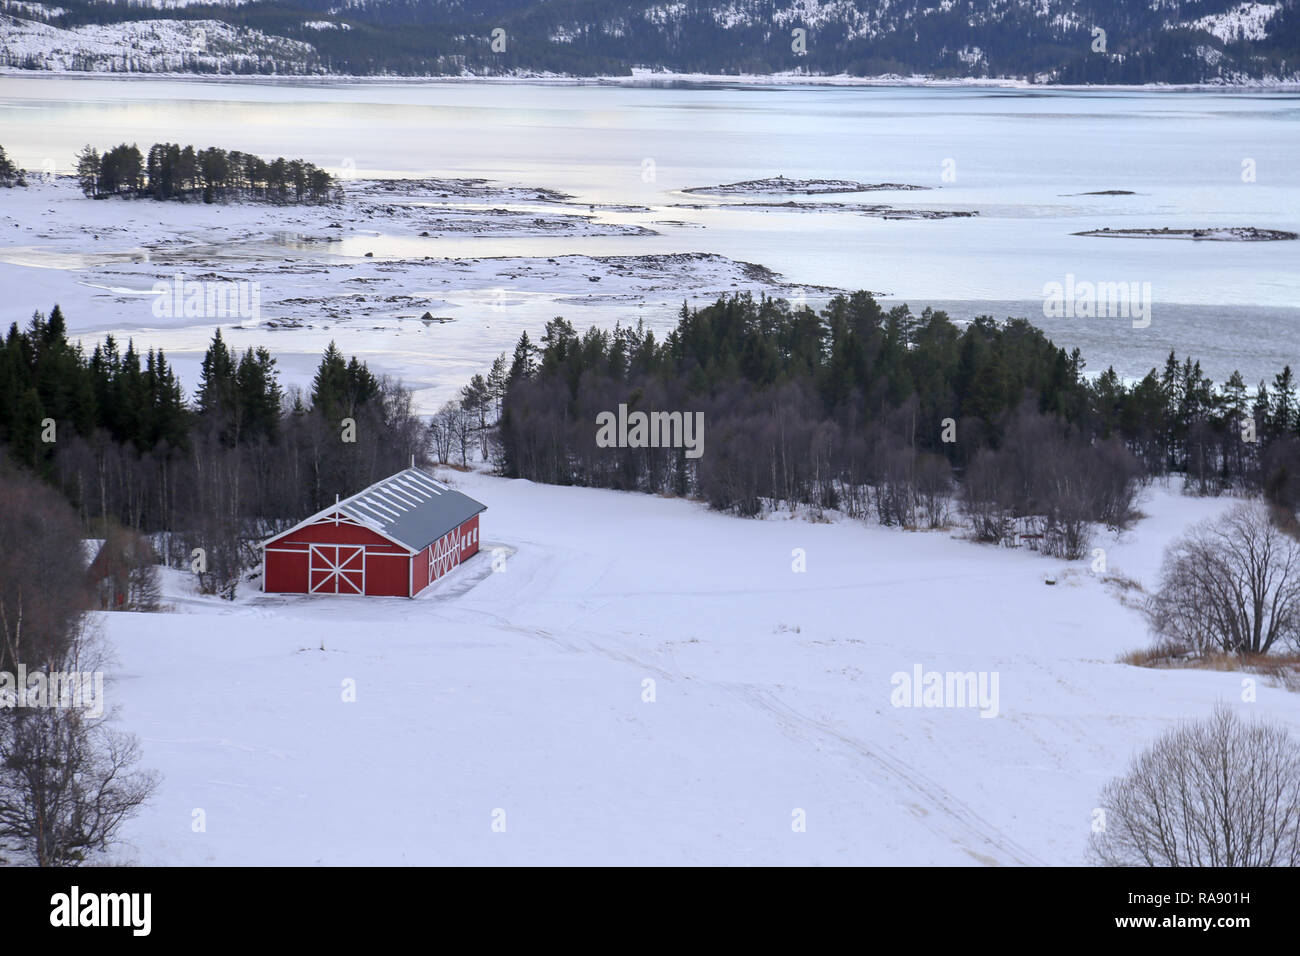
(780,186)
(871,210)
(168,171)
(1214,234)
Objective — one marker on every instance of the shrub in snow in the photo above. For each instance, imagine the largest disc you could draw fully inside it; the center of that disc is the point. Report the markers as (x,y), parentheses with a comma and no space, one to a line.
(1051,479)
(1213,792)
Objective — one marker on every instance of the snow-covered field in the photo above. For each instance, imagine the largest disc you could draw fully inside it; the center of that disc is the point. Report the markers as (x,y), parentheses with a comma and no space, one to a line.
(520,697)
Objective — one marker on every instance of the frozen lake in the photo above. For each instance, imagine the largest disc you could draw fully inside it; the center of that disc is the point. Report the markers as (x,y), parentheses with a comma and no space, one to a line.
(1030,163)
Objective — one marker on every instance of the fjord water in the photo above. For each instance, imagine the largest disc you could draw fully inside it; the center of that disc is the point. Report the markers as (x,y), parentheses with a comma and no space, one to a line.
(1024,160)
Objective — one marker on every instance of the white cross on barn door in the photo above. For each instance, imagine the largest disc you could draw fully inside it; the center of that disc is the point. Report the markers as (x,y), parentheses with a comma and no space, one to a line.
(445,556)
(337,569)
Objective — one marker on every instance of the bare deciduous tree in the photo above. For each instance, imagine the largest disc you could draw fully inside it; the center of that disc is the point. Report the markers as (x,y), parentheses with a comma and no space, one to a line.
(1213,792)
(934,489)
(1046,476)
(447,431)
(986,498)
(1230,585)
(42,589)
(125,572)
(66,784)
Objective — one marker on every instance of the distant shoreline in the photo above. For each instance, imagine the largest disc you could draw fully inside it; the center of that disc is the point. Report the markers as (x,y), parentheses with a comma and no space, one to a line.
(651,79)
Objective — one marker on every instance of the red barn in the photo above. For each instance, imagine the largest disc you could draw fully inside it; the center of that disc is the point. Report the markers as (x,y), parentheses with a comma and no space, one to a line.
(394,539)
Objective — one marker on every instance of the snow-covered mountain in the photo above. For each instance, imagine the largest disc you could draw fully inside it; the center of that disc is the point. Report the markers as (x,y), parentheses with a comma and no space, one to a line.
(1073,41)
(151,46)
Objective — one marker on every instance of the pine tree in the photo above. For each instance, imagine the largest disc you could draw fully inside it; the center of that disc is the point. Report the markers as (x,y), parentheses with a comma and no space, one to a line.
(1234,402)
(258,388)
(88,166)
(496,381)
(170,415)
(476,397)
(361,385)
(218,393)
(1284,404)
(10,175)
(1261,410)
(329,388)
(130,404)
(524,364)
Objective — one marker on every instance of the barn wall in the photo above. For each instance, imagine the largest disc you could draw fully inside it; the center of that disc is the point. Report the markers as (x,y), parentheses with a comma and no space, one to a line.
(285,571)
(420,571)
(445,553)
(387,575)
(326,531)
(381,569)
(469,538)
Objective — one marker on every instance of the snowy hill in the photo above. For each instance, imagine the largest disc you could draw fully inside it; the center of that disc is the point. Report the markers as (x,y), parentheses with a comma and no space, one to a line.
(523,696)
(150,46)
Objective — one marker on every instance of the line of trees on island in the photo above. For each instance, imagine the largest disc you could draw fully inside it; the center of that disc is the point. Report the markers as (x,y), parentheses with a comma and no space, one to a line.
(907,417)
(172,172)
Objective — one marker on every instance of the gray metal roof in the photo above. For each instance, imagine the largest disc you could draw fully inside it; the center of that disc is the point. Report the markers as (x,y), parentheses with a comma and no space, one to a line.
(410,507)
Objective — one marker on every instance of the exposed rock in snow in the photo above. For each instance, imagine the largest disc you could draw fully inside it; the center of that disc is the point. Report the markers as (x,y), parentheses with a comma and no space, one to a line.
(780,186)
(1248,21)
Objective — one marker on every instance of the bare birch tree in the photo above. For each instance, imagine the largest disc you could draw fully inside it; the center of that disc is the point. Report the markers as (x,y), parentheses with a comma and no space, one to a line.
(1212,792)
(1230,585)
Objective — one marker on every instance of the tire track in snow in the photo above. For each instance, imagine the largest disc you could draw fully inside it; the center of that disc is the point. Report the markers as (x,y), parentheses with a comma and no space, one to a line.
(590,643)
(943,813)
(958,822)
(767,591)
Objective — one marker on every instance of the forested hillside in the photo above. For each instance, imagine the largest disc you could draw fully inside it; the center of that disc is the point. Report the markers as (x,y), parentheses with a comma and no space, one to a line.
(1049,41)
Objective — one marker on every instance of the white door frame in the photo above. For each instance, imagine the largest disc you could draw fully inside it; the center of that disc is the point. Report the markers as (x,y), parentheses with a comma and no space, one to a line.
(330,585)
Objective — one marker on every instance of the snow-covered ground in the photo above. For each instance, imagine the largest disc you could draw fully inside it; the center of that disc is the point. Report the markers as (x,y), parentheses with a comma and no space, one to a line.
(1248,21)
(521,697)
